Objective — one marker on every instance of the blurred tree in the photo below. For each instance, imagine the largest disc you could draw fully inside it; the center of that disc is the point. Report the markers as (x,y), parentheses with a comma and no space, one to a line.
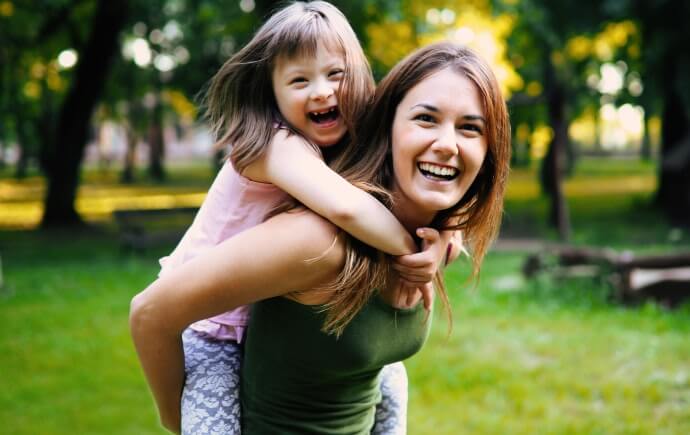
(667,61)
(72,128)
(558,49)
(539,38)
(32,83)
(665,69)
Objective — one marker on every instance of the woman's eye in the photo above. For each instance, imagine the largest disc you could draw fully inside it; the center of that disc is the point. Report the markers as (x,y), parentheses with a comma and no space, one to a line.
(424,118)
(471,127)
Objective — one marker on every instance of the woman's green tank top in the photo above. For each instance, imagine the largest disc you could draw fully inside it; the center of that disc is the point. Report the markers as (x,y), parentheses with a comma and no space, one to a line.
(299,380)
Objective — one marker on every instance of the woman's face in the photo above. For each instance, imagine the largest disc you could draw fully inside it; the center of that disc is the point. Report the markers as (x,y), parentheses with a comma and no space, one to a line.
(439,143)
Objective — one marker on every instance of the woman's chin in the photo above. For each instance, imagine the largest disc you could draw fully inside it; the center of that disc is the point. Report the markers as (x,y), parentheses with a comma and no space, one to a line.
(434,202)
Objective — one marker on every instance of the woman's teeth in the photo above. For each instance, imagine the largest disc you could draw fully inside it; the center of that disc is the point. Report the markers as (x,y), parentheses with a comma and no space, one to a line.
(429,169)
(324,115)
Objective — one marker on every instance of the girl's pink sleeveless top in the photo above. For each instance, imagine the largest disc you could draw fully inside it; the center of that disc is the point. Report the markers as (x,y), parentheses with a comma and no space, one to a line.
(233,204)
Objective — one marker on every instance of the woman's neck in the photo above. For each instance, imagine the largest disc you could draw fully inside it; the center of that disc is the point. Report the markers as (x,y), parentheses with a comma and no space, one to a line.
(409,215)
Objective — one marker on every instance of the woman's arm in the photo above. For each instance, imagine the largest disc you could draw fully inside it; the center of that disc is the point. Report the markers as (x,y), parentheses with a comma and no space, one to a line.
(294,167)
(268,260)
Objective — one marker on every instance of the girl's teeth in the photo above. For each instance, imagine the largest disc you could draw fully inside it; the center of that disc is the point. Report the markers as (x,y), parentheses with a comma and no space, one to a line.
(323,112)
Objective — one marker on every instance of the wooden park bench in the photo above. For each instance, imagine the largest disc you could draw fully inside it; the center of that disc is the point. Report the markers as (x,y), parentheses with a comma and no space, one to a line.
(664,278)
(144,228)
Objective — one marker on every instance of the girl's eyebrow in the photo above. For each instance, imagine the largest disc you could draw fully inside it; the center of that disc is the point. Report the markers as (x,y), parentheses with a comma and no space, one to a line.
(435,109)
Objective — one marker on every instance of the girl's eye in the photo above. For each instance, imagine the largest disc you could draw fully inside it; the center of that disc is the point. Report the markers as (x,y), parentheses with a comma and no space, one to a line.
(336,73)
(297,80)
(423,117)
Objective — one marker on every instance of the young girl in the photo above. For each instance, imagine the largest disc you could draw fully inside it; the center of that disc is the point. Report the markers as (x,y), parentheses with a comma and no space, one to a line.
(284,103)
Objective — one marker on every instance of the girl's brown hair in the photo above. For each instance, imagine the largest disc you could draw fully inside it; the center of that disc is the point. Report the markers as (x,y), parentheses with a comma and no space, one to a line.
(368,164)
(240,103)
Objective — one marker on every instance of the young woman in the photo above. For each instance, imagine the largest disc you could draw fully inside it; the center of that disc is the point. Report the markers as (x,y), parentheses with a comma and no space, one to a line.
(324,322)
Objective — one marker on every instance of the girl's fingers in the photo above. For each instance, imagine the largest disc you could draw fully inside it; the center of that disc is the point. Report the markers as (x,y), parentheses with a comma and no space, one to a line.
(412,270)
(416,279)
(423,259)
(413,282)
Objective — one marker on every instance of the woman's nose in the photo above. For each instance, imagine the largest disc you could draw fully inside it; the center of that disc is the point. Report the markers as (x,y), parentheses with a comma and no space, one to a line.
(446,143)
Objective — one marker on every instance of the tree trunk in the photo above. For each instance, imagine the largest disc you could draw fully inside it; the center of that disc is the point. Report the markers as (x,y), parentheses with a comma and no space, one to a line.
(75,113)
(673,195)
(26,135)
(22,166)
(646,145)
(156,142)
(553,165)
(127,176)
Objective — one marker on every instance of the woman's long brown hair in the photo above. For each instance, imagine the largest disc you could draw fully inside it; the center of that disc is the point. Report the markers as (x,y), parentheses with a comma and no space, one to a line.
(368,165)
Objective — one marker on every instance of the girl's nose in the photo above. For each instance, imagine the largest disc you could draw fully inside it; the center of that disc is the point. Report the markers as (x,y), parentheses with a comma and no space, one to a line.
(322,90)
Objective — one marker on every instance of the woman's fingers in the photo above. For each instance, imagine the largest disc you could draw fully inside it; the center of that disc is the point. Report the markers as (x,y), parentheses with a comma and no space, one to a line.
(419,268)
(407,296)
(410,297)
(403,297)
(427,291)
(429,237)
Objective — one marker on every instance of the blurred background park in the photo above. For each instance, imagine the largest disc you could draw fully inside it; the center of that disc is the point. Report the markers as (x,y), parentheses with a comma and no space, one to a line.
(579,324)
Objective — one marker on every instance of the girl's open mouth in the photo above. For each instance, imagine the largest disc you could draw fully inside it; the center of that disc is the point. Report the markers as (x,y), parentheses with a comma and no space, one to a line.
(324,116)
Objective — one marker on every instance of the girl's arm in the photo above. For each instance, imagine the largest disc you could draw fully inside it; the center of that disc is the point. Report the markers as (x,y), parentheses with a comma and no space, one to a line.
(262,262)
(293,166)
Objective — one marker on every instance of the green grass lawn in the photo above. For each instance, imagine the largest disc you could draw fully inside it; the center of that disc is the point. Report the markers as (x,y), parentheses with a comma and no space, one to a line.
(538,357)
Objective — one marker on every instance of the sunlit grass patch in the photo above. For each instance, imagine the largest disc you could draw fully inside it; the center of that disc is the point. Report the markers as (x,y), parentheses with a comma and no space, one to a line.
(549,358)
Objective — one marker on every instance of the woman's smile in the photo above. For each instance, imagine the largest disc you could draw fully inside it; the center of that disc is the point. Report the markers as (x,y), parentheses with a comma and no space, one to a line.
(438,142)
(438,172)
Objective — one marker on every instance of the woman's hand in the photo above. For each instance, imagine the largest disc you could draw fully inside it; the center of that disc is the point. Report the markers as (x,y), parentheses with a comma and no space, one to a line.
(407,296)
(418,270)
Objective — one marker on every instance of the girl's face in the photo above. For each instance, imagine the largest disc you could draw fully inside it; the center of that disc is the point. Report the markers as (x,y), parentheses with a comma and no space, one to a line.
(439,143)
(305,90)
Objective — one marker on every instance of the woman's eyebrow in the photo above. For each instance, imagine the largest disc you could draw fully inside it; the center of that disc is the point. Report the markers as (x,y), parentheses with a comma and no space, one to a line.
(474,118)
(433,108)
(426,106)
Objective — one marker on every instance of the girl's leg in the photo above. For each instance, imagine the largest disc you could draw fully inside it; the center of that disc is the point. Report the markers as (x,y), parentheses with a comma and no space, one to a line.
(391,413)
(210,399)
